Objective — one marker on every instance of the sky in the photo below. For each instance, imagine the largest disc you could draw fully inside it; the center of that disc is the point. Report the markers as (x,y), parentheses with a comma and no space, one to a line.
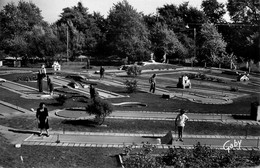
(51,9)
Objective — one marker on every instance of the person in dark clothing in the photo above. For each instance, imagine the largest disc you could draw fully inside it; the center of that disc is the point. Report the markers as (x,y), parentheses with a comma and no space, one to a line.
(41,74)
(39,81)
(152,83)
(50,84)
(42,117)
(92,91)
(102,71)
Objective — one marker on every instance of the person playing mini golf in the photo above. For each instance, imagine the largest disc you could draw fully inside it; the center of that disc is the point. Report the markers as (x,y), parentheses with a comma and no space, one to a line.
(180,123)
(152,82)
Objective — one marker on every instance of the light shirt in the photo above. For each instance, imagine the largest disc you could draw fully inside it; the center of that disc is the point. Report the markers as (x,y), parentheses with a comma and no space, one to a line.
(43,70)
(181,119)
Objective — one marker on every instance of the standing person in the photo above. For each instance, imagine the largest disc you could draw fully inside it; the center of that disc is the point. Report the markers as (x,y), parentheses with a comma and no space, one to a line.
(40,76)
(39,81)
(92,91)
(50,84)
(43,71)
(42,117)
(152,82)
(180,123)
(101,72)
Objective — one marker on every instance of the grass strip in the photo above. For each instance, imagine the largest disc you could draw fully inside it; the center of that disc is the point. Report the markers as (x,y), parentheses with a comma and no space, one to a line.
(134,126)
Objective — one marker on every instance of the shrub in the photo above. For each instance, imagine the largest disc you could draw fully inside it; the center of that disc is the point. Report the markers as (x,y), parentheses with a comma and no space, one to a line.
(199,156)
(133,70)
(202,76)
(233,88)
(99,107)
(131,85)
(61,99)
(142,159)
(191,76)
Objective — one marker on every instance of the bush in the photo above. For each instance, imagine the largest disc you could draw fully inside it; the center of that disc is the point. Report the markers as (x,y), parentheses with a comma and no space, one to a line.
(199,156)
(99,107)
(133,70)
(142,159)
(233,88)
(61,99)
(131,85)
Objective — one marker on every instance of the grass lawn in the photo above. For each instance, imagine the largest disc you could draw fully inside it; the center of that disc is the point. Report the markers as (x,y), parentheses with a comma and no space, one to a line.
(154,102)
(56,157)
(133,126)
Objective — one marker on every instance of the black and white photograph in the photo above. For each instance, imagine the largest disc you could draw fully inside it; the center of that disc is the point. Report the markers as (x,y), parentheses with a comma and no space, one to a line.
(129,83)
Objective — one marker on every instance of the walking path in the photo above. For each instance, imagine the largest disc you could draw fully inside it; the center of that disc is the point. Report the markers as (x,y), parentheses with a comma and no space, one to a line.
(119,140)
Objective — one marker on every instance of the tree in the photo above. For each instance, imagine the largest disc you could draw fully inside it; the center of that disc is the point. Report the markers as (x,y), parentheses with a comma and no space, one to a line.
(212,44)
(213,10)
(165,40)
(102,24)
(82,28)
(191,14)
(244,11)
(177,17)
(16,23)
(241,36)
(127,34)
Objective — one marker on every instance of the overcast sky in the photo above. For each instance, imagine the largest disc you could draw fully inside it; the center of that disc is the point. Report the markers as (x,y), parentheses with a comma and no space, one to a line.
(51,9)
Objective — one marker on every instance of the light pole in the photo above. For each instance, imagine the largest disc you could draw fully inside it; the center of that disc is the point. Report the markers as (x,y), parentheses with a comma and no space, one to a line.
(67,43)
(194,32)
(194,38)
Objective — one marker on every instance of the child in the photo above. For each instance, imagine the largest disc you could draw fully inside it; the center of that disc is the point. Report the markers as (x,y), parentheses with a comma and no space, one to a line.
(180,123)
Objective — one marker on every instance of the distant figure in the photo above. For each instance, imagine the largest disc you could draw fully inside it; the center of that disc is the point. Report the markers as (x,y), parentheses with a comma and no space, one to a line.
(50,85)
(152,83)
(41,74)
(39,81)
(43,71)
(42,117)
(180,123)
(92,91)
(102,72)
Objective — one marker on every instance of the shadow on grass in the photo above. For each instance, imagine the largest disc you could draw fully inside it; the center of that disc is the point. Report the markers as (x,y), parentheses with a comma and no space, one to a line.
(86,123)
(242,117)
(24,131)
(171,87)
(54,104)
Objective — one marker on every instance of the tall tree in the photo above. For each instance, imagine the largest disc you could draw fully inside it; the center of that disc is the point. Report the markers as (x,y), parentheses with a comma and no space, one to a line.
(83,29)
(102,24)
(16,23)
(171,16)
(165,41)
(244,11)
(213,46)
(213,10)
(177,17)
(127,34)
(242,35)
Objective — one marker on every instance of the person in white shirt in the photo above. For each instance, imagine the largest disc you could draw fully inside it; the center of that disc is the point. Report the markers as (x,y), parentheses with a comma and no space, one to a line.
(43,70)
(180,123)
